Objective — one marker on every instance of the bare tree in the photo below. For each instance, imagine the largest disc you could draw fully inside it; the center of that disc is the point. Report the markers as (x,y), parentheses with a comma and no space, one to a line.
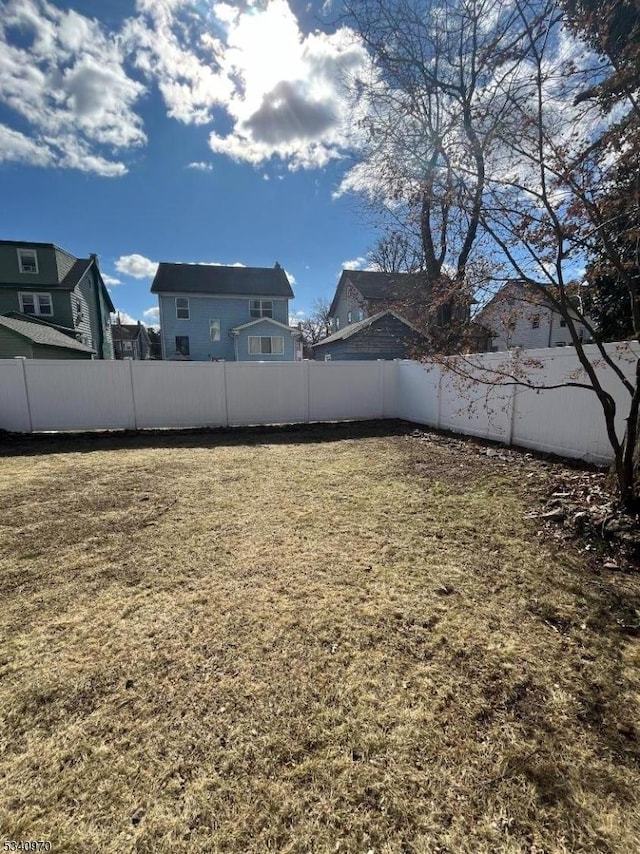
(316,327)
(397,252)
(482,123)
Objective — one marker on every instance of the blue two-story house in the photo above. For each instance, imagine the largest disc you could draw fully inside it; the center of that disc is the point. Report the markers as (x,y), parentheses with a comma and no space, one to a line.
(236,314)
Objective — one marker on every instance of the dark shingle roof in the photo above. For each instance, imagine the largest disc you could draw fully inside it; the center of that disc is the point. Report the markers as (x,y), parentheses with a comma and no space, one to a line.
(227,281)
(43,334)
(354,328)
(74,275)
(373,284)
(125,331)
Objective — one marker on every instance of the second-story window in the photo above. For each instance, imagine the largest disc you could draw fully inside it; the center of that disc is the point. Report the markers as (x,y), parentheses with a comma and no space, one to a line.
(36,304)
(27,261)
(360,314)
(182,308)
(214,330)
(261,308)
(337,322)
(349,317)
(535,321)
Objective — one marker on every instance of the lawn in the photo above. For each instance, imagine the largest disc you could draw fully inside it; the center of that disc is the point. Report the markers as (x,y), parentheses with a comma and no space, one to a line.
(336,640)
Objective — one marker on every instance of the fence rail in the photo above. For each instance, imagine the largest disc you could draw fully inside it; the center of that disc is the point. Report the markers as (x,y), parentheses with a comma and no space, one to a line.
(49,395)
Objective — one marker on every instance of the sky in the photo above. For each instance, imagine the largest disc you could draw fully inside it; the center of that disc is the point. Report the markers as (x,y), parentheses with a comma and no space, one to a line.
(183,131)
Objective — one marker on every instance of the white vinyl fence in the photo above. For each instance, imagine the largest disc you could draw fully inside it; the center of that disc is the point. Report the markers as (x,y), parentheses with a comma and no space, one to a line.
(43,395)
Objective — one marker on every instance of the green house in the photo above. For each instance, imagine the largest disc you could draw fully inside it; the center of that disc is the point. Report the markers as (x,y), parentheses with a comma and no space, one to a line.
(47,287)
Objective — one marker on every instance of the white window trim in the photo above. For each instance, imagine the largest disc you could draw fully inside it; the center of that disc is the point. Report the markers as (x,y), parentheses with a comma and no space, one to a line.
(215,320)
(30,252)
(327,357)
(259,338)
(127,345)
(186,299)
(261,315)
(36,303)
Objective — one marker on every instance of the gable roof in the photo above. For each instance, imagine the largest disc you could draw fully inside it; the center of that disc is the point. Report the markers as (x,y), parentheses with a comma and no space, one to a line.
(250,323)
(376,285)
(520,291)
(354,328)
(40,334)
(125,331)
(223,281)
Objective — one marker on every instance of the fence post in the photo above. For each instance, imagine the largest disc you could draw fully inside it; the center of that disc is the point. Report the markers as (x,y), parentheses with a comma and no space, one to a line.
(439,397)
(307,392)
(133,395)
(381,385)
(23,359)
(512,401)
(224,388)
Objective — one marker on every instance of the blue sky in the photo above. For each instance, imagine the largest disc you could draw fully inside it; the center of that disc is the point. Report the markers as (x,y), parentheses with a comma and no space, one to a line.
(180,130)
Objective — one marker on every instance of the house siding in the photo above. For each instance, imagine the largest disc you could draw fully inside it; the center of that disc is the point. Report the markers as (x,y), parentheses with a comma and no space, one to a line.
(9,301)
(45,351)
(231,312)
(10,271)
(12,344)
(95,323)
(548,334)
(349,300)
(387,338)
(267,329)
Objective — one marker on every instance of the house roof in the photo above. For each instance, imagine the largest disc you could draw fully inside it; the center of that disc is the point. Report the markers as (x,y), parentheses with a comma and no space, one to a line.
(80,267)
(374,285)
(522,292)
(40,334)
(225,281)
(251,323)
(125,331)
(355,328)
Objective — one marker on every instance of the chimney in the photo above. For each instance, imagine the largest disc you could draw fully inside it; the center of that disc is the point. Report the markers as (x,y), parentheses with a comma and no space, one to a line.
(277,266)
(94,257)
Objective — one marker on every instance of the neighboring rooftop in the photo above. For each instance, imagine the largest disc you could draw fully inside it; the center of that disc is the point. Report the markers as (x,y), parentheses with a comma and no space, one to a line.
(373,284)
(225,281)
(354,328)
(125,331)
(40,334)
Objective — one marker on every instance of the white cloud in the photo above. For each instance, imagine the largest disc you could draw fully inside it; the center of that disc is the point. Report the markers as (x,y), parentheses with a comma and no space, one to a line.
(15,146)
(123,316)
(359,263)
(70,86)
(110,281)
(200,165)
(136,266)
(281,88)
(152,314)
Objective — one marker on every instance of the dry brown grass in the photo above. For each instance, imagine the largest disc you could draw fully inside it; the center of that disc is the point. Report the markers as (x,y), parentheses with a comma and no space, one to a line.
(305,646)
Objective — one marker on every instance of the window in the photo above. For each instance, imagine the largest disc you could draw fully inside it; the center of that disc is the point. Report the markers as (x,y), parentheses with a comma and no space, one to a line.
(360,314)
(337,322)
(261,308)
(563,322)
(127,345)
(27,261)
(349,316)
(327,357)
(263,345)
(182,308)
(78,304)
(214,330)
(560,344)
(535,321)
(36,304)
(182,344)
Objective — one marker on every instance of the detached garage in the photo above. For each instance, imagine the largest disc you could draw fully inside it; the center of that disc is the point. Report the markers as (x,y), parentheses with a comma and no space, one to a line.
(385,335)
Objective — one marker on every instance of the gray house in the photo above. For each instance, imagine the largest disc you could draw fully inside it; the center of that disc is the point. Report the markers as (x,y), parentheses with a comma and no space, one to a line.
(385,335)
(131,340)
(41,281)
(212,313)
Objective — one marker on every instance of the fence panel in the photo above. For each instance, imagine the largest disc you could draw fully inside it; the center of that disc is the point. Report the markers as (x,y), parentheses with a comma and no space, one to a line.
(179,394)
(79,395)
(266,393)
(345,390)
(14,407)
